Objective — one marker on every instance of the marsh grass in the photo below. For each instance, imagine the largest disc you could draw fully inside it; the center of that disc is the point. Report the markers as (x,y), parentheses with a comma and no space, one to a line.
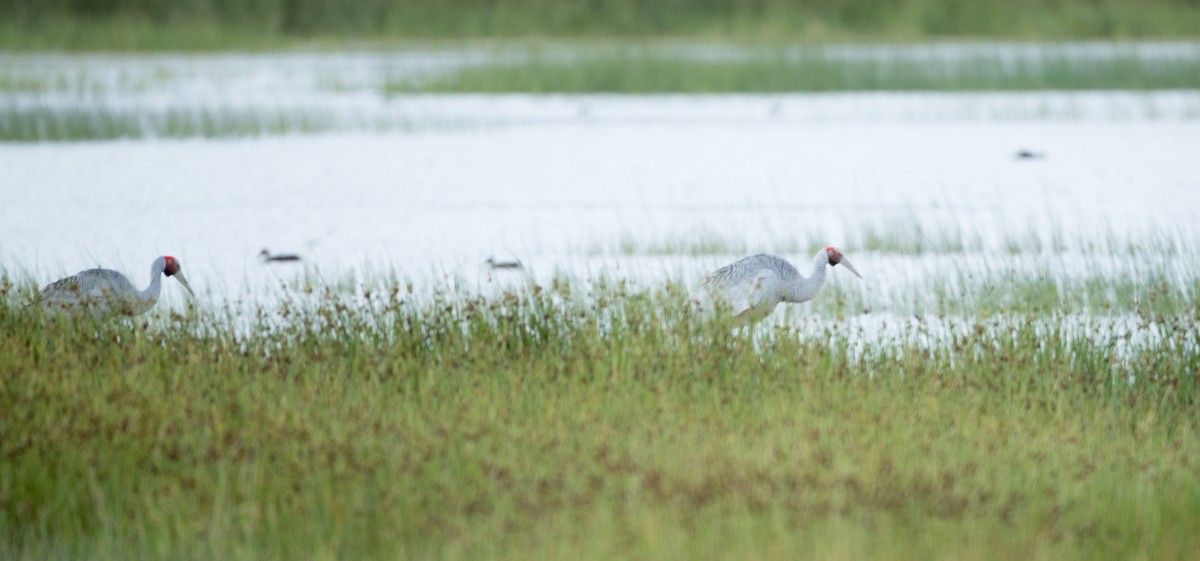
(23,76)
(649,70)
(911,233)
(136,34)
(45,122)
(217,25)
(72,98)
(703,243)
(583,420)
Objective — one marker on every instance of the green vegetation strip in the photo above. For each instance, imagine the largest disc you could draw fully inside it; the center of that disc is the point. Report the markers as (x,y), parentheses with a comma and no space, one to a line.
(538,425)
(52,123)
(219,24)
(647,71)
(905,234)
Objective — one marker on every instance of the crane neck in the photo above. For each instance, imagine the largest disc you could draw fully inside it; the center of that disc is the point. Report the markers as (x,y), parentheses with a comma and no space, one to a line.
(148,297)
(805,289)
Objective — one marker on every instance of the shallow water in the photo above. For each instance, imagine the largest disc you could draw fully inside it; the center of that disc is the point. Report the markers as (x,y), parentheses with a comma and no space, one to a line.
(912,187)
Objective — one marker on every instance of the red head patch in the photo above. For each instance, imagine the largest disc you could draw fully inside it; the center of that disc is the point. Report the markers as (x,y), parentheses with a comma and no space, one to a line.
(834,255)
(171,266)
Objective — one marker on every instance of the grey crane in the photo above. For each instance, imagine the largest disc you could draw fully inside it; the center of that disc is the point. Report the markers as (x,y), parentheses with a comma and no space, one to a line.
(106,292)
(751,287)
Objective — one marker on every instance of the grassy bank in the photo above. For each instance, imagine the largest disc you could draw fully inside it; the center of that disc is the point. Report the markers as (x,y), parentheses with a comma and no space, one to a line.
(209,24)
(544,424)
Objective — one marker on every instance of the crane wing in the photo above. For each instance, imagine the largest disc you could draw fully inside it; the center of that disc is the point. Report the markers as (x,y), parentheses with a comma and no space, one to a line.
(753,295)
(91,289)
(62,291)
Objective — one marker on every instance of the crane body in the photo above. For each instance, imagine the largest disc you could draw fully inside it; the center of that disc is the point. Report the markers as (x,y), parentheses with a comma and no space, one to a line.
(750,288)
(104,292)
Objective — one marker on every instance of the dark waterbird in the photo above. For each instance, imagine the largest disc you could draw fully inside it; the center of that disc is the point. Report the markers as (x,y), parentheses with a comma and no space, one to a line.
(491,262)
(267,257)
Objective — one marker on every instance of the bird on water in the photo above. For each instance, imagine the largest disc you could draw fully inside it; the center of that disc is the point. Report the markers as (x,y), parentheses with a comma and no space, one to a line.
(107,292)
(491,262)
(751,287)
(268,257)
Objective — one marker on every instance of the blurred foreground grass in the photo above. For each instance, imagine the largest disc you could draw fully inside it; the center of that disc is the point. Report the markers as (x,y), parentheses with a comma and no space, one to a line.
(545,424)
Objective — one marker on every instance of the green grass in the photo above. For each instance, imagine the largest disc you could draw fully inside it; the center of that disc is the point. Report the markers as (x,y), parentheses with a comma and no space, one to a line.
(219,25)
(697,244)
(906,233)
(547,424)
(42,123)
(638,70)
(58,33)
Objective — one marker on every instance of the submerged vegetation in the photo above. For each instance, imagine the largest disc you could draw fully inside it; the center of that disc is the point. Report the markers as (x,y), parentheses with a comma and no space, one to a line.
(595,420)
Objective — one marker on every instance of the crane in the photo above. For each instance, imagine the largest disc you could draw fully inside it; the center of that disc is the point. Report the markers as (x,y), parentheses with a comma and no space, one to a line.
(104,292)
(751,287)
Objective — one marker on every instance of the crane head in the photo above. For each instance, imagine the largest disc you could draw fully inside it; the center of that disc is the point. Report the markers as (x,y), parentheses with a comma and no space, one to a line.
(171,269)
(836,258)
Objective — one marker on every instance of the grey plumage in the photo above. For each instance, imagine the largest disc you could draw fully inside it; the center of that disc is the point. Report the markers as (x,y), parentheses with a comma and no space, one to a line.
(748,268)
(751,287)
(100,291)
(106,292)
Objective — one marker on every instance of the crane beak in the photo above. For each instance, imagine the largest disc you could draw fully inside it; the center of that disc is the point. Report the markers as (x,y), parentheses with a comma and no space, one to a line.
(179,277)
(847,265)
